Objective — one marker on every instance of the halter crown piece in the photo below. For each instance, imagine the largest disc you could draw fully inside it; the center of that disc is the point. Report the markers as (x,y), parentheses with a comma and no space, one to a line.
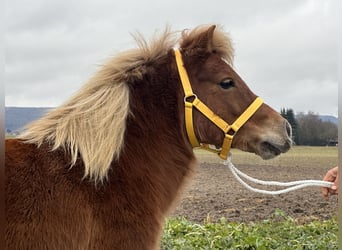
(191,101)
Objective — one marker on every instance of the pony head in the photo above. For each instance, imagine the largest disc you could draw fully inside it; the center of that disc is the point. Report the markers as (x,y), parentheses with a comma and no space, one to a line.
(208,57)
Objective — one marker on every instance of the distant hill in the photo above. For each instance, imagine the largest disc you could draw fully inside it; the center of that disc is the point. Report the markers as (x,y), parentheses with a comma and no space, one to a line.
(16,118)
(329,118)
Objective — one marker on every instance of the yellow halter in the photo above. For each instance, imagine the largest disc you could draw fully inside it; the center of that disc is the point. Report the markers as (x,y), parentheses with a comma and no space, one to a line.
(191,100)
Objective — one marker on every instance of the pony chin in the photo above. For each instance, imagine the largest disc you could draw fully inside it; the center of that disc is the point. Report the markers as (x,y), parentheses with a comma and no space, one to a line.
(267,154)
(273,147)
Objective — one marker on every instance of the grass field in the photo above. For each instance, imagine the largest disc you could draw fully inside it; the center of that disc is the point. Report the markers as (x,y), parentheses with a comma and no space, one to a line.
(297,156)
(279,232)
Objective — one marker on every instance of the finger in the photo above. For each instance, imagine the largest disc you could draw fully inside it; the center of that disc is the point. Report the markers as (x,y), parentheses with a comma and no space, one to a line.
(333,191)
(330,176)
(325,193)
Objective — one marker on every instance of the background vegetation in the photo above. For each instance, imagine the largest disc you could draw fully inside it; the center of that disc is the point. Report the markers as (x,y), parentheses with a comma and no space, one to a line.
(309,129)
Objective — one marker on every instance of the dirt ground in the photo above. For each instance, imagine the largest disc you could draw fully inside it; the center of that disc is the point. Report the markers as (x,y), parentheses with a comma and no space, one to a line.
(213,192)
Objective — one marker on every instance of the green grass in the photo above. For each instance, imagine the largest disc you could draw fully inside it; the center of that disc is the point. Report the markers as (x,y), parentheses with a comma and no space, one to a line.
(298,156)
(279,232)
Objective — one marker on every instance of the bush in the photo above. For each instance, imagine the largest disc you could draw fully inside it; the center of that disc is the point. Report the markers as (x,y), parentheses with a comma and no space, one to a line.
(279,232)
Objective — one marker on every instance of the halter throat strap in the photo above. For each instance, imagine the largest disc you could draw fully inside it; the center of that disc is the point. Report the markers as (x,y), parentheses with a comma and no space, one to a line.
(192,101)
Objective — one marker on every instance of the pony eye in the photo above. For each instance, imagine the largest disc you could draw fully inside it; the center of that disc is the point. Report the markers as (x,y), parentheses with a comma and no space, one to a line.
(227,83)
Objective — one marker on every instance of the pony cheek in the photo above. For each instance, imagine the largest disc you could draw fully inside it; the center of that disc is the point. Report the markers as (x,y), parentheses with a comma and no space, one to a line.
(245,141)
(208,133)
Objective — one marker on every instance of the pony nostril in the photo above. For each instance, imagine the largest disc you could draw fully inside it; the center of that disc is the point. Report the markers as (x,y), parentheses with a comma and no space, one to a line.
(288,129)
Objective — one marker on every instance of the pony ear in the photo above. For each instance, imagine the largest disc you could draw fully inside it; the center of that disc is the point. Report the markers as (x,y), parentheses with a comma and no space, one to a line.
(206,41)
(201,38)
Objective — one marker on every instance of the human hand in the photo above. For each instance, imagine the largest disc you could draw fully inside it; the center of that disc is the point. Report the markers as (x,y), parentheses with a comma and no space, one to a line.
(332,176)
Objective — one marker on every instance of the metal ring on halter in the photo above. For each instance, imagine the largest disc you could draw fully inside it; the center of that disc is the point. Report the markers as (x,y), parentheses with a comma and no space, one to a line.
(187,97)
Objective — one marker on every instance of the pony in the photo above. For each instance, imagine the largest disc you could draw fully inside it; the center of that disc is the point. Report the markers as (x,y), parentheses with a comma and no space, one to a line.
(104,169)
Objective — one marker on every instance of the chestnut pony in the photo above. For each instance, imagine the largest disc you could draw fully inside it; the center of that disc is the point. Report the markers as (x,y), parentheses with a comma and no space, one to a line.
(103,170)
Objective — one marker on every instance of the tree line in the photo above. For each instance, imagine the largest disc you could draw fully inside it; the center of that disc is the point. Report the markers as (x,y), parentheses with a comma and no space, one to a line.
(309,129)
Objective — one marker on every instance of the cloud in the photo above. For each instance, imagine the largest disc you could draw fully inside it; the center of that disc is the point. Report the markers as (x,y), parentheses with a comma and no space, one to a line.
(299,46)
(53,47)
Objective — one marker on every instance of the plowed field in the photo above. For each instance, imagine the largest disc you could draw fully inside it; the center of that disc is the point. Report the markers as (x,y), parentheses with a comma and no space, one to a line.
(213,192)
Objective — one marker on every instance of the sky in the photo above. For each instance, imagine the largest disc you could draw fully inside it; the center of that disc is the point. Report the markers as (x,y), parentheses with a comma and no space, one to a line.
(285,50)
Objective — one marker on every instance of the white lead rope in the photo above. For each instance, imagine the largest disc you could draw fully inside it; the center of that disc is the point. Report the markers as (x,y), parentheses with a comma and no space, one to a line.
(293,185)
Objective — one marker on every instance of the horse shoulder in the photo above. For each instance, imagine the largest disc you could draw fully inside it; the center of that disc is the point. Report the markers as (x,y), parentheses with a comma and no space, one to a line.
(43,199)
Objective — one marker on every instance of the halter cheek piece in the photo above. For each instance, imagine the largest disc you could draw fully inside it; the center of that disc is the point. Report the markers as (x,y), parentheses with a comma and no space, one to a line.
(191,101)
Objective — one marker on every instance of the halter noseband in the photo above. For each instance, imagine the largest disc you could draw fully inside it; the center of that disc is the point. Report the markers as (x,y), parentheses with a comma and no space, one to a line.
(191,100)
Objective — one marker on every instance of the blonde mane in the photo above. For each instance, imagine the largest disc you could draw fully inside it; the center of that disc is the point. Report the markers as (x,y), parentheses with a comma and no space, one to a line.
(92,123)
